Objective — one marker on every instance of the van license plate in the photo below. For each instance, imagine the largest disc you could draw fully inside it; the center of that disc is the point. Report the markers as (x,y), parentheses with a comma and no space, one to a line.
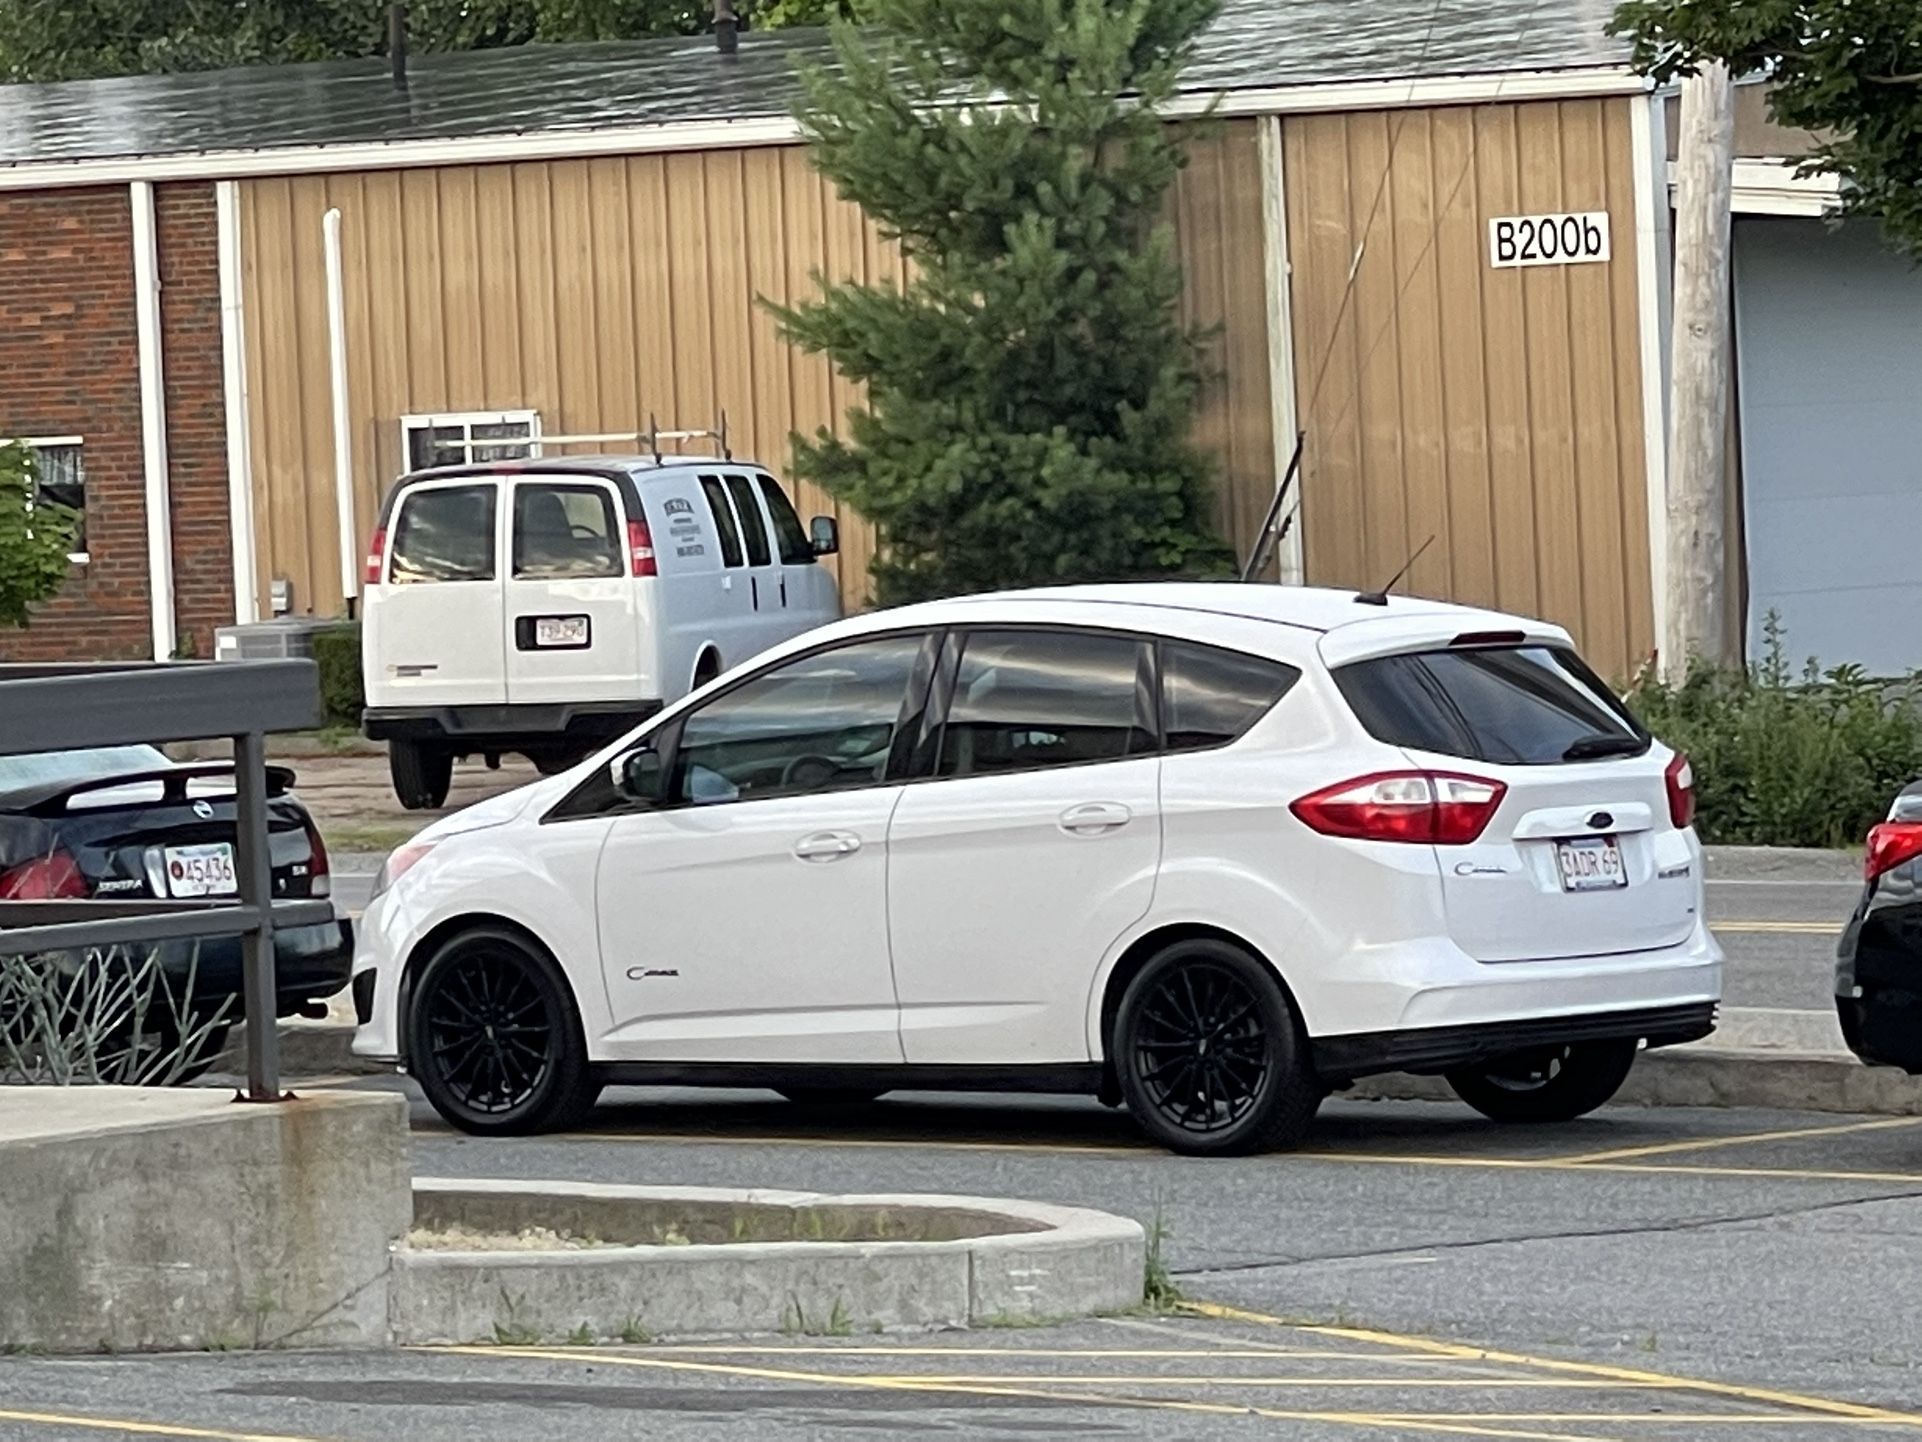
(1591,863)
(201,870)
(560,631)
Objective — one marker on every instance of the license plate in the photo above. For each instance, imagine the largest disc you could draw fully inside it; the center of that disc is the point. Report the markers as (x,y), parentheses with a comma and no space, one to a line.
(560,631)
(201,870)
(1591,863)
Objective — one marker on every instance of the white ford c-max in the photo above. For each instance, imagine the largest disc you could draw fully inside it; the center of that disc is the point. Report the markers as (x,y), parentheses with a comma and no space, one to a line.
(1211,850)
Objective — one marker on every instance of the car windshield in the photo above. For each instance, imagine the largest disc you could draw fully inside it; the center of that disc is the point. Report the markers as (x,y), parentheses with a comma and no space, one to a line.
(40,768)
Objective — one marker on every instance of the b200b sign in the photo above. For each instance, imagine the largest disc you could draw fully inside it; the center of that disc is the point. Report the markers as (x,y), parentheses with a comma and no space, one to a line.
(1548,239)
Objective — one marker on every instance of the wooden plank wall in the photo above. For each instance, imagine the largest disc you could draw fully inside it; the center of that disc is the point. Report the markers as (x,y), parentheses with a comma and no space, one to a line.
(600,291)
(1498,411)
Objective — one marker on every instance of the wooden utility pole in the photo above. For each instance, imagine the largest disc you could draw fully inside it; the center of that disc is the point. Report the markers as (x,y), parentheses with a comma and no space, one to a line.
(1697,601)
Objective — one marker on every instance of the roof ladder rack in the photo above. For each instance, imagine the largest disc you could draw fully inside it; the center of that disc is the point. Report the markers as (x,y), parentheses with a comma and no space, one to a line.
(655,435)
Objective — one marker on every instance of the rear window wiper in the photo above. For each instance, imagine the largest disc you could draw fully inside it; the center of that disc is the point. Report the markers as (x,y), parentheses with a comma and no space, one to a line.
(1591,748)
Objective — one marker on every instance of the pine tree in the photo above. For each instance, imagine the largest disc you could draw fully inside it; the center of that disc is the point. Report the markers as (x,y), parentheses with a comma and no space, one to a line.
(1030,392)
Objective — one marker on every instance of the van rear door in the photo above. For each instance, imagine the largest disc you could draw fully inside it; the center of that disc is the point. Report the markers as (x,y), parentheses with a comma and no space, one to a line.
(571,625)
(432,616)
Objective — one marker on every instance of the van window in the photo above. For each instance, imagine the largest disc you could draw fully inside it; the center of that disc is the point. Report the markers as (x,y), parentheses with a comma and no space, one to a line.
(1507,705)
(564,532)
(1028,699)
(717,502)
(752,526)
(1210,696)
(796,548)
(444,534)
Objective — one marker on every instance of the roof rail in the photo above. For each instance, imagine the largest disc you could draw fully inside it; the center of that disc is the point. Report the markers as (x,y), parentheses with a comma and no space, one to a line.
(655,435)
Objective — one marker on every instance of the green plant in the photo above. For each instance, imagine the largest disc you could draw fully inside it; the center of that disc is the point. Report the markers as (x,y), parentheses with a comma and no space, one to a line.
(581,1336)
(36,537)
(795,1320)
(1787,758)
(337,657)
(1159,1293)
(510,1330)
(633,1333)
(1029,390)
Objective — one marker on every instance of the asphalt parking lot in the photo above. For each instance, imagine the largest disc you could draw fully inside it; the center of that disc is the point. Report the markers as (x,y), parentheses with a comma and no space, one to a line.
(1416,1271)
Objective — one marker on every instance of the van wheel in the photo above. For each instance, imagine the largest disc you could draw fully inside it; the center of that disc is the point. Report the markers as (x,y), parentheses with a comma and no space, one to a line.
(494,1038)
(705,669)
(422,774)
(1210,1054)
(1547,1084)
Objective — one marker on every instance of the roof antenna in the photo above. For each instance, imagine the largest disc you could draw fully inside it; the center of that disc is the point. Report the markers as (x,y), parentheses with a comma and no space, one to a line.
(397,42)
(1380,598)
(727,27)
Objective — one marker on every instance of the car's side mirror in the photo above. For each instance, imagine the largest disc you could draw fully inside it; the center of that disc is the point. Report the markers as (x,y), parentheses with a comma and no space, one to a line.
(825,532)
(640,774)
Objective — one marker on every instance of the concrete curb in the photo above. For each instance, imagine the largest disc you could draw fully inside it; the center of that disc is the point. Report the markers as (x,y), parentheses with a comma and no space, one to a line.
(1035,1263)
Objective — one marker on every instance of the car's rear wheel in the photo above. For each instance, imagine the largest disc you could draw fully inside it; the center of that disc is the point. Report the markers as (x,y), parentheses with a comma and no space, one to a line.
(422,773)
(832,1096)
(494,1037)
(1546,1084)
(1210,1055)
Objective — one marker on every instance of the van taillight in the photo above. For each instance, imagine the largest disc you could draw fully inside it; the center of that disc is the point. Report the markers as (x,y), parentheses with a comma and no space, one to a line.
(640,549)
(1431,807)
(376,555)
(1680,777)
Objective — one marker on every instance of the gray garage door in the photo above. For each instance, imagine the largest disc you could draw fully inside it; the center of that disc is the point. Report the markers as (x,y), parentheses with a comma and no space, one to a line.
(1829,347)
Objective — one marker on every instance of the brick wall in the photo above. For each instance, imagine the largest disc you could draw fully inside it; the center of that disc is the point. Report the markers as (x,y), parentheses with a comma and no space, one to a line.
(68,366)
(196,411)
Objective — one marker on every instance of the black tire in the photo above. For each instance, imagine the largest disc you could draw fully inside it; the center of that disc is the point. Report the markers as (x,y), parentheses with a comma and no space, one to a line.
(1546,1084)
(553,763)
(832,1096)
(477,1074)
(1253,1093)
(422,774)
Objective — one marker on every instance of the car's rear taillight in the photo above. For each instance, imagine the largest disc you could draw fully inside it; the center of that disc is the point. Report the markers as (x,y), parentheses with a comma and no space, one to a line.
(376,556)
(53,877)
(320,880)
(1437,808)
(1891,844)
(640,549)
(1680,777)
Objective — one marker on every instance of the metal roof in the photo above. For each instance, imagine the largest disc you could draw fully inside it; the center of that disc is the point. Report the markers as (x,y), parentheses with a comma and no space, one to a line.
(541,89)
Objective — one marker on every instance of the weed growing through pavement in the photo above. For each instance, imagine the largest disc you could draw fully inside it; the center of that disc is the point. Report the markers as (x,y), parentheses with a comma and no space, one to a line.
(633,1333)
(581,1336)
(1158,1290)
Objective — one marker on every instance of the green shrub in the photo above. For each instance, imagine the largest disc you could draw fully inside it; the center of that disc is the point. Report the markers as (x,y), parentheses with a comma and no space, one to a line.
(1783,759)
(337,654)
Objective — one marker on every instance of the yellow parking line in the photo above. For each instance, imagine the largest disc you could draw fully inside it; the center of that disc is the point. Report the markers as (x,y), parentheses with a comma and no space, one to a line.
(1767,1396)
(1243,1354)
(142,1429)
(1404,1384)
(1464,1426)
(1779,928)
(1740,1140)
(1558,1164)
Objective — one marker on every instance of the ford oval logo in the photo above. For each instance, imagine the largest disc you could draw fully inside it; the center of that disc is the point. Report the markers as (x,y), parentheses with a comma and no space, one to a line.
(204,810)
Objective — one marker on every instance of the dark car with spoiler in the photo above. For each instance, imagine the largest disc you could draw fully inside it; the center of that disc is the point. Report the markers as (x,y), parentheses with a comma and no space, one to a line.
(126,823)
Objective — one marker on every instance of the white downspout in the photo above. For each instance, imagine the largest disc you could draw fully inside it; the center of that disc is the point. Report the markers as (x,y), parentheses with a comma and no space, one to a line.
(153,420)
(1648,151)
(349,537)
(233,368)
(1281,338)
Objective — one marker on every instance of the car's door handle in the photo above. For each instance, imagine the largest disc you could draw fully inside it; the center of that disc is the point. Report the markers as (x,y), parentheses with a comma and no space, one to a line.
(827,846)
(1095,818)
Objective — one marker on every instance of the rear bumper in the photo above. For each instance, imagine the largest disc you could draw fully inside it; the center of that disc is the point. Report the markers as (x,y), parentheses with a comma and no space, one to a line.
(1442,1048)
(507,728)
(1878,981)
(310,963)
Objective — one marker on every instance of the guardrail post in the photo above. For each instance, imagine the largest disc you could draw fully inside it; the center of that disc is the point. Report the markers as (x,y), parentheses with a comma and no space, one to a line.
(255,868)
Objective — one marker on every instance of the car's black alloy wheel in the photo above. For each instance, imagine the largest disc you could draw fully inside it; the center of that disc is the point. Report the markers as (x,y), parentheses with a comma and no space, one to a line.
(494,1037)
(1209,1053)
(1546,1084)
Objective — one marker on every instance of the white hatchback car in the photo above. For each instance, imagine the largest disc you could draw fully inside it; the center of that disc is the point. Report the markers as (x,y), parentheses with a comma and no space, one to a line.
(1211,850)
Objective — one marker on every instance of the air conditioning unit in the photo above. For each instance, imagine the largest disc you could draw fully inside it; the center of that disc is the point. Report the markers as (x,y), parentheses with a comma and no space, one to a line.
(288,638)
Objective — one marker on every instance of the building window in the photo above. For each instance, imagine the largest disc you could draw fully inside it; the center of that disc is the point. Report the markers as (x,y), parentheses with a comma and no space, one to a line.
(60,477)
(467,436)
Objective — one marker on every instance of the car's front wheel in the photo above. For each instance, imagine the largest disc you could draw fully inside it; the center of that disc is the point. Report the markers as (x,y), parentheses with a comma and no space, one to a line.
(1547,1084)
(1210,1055)
(495,1040)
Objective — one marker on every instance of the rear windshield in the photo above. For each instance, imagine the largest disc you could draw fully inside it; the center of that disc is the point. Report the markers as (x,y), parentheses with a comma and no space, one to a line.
(42,768)
(1516,706)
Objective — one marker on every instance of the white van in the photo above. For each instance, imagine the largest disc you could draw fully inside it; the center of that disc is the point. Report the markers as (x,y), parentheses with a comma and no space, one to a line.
(547,606)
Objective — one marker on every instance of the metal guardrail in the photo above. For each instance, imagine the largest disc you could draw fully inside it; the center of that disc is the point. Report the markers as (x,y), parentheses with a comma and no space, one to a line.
(64,708)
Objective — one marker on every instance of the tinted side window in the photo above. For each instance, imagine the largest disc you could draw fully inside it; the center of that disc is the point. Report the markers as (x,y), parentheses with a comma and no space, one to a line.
(444,534)
(723,519)
(796,548)
(821,723)
(563,532)
(1210,696)
(1523,705)
(752,527)
(1027,699)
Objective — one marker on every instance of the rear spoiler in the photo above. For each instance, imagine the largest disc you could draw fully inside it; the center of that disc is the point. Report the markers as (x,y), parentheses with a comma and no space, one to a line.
(55,798)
